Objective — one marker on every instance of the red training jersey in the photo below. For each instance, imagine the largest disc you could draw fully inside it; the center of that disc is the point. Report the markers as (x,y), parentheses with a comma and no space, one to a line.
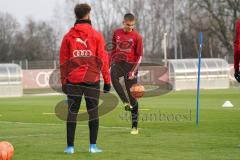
(83,56)
(237,46)
(127,46)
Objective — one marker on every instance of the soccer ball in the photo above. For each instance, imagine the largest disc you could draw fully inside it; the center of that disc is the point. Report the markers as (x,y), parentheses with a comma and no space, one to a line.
(137,90)
(6,151)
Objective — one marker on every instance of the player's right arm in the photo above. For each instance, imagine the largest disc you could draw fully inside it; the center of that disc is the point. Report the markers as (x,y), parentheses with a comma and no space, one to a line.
(113,49)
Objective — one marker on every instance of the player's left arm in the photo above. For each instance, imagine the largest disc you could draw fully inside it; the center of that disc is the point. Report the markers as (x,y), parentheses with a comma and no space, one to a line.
(236,46)
(138,60)
(236,51)
(236,65)
(103,56)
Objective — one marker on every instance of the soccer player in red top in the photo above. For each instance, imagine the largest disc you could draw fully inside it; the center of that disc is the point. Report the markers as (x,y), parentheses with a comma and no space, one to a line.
(237,51)
(125,59)
(82,58)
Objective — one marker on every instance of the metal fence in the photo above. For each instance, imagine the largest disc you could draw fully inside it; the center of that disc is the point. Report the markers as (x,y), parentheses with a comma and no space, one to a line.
(53,64)
(25,64)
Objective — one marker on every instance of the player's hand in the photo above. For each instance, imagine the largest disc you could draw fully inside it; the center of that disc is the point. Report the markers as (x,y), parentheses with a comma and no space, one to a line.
(237,76)
(131,75)
(106,88)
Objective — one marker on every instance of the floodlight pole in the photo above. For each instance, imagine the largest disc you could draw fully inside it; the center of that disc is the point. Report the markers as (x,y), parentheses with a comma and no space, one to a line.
(165,48)
(130,5)
(174,30)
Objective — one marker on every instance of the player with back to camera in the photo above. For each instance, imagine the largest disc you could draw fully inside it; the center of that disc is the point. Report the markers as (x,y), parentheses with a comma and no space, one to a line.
(82,58)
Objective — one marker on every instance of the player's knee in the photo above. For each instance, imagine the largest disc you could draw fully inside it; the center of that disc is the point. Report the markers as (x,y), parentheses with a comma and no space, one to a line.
(94,122)
(93,115)
(73,109)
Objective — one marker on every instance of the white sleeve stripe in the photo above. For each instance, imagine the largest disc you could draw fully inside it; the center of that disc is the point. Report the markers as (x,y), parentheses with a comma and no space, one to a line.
(138,63)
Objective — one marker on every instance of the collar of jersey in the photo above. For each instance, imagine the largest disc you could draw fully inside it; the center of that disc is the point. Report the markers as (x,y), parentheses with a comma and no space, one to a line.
(82,21)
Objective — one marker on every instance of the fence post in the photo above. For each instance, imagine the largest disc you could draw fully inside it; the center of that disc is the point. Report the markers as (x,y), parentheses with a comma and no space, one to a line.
(20,63)
(55,64)
(26,63)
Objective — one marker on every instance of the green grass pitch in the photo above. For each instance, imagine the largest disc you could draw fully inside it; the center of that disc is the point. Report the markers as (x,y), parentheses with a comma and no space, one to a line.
(167,129)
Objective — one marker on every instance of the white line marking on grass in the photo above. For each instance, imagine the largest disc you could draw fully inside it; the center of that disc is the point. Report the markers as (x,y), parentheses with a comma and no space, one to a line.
(44,94)
(47,135)
(23,136)
(55,124)
(83,111)
(144,109)
(23,123)
(49,113)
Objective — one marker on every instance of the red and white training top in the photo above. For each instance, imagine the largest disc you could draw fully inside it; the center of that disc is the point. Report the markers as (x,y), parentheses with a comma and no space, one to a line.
(127,46)
(83,56)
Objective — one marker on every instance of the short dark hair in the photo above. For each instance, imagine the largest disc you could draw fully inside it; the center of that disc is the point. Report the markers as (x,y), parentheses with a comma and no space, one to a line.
(129,16)
(81,10)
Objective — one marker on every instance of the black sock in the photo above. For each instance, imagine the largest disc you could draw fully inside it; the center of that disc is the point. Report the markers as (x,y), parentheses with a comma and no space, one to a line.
(135,116)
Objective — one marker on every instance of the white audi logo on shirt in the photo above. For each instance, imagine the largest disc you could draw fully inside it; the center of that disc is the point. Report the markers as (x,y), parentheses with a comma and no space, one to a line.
(82,53)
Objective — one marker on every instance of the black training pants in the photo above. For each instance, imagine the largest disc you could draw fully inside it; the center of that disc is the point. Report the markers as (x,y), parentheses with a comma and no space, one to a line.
(74,94)
(121,69)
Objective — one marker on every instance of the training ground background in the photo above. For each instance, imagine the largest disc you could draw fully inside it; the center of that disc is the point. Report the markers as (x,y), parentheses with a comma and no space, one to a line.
(36,133)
